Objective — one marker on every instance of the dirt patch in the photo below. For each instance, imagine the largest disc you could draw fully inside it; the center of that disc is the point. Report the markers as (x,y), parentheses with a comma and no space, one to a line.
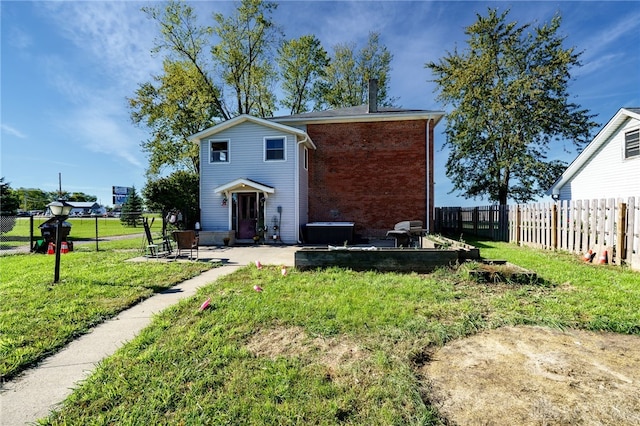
(294,342)
(537,376)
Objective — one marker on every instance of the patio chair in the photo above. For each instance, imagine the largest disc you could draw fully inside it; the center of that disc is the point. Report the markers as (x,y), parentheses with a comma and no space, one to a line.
(185,240)
(154,249)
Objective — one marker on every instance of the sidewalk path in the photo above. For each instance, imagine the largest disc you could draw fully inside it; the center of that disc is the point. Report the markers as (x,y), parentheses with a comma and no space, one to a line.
(34,393)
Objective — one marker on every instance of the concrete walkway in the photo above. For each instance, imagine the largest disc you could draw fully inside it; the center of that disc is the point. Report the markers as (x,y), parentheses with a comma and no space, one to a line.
(33,394)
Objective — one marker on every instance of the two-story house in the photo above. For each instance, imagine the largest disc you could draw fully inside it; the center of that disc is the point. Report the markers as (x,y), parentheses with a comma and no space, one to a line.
(366,166)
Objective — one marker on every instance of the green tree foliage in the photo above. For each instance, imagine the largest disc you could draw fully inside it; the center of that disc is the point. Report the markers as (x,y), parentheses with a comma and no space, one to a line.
(34,199)
(244,56)
(9,200)
(188,96)
(509,95)
(131,209)
(9,203)
(37,199)
(81,197)
(302,63)
(346,81)
(178,191)
(176,105)
(184,40)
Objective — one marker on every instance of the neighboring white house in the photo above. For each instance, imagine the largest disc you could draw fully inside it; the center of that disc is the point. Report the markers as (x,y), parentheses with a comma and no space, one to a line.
(253,180)
(609,167)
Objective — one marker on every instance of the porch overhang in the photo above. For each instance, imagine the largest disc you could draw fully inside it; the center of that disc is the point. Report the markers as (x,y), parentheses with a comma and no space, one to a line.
(244,185)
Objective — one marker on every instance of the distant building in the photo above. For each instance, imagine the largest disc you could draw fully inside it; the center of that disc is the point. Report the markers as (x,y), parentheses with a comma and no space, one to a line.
(85,209)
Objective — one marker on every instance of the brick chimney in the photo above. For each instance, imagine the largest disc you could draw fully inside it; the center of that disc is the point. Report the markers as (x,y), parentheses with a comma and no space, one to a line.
(373,95)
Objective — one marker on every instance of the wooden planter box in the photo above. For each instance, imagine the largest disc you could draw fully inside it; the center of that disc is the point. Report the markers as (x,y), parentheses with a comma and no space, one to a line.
(381,259)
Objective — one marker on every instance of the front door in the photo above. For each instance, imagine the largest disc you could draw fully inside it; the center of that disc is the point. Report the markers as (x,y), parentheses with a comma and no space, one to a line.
(247,215)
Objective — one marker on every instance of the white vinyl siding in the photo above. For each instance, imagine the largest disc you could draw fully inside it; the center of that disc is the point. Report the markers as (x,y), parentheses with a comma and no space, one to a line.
(607,174)
(246,149)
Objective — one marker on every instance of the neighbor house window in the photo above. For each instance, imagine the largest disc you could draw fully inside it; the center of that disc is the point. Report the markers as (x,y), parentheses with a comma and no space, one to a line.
(219,152)
(274,149)
(632,144)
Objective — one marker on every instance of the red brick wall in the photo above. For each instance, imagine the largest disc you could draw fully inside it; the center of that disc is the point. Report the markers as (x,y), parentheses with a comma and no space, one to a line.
(372,174)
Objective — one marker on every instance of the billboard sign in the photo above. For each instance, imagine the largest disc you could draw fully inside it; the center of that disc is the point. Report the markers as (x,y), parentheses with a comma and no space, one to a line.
(120,194)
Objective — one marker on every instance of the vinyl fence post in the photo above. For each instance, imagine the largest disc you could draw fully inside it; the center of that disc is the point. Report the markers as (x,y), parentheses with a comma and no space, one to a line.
(518,224)
(554,226)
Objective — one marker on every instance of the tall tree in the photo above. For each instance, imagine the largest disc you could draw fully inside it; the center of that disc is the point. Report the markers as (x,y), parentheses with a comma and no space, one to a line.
(509,95)
(131,209)
(81,197)
(183,39)
(178,191)
(346,81)
(244,55)
(178,104)
(34,199)
(9,204)
(9,200)
(375,62)
(302,63)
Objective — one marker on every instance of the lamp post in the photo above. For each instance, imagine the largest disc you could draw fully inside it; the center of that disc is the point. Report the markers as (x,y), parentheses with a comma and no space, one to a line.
(60,209)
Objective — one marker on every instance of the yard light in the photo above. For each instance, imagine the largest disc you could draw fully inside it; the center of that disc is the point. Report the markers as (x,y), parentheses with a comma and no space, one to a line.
(60,209)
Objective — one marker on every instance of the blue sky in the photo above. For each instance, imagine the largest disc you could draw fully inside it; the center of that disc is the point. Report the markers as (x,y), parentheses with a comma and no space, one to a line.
(68,66)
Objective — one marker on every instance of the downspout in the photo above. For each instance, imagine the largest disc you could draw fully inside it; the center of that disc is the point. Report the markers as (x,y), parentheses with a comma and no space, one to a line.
(428,183)
(296,213)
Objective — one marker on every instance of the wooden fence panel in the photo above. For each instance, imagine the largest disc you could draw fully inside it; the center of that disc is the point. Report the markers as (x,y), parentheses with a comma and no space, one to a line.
(576,226)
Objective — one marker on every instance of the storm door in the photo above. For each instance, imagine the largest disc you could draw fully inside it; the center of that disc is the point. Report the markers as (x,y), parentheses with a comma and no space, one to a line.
(247,214)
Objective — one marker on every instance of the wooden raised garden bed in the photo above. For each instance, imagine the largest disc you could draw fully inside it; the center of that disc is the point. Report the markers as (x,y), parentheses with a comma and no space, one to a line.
(421,260)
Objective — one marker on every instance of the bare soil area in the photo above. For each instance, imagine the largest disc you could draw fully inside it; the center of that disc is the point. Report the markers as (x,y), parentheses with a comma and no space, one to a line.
(537,376)
(509,376)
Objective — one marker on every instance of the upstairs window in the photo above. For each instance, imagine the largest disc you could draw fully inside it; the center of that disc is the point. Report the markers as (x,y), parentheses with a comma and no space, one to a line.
(632,144)
(274,149)
(219,152)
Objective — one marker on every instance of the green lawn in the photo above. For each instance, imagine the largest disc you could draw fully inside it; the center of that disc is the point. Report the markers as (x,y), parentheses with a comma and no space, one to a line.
(37,317)
(81,229)
(333,346)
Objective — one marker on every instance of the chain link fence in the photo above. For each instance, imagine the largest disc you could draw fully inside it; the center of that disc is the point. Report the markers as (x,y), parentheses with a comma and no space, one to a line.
(24,234)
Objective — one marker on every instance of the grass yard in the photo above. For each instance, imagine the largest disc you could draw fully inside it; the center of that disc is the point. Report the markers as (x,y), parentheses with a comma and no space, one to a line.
(81,228)
(37,317)
(333,346)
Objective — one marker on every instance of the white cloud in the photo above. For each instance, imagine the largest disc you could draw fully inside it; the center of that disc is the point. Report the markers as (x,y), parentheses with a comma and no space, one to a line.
(101,127)
(117,36)
(12,131)
(629,25)
(19,39)
(108,56)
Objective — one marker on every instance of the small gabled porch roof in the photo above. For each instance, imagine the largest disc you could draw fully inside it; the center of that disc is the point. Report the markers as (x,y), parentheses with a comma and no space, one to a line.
(244,185)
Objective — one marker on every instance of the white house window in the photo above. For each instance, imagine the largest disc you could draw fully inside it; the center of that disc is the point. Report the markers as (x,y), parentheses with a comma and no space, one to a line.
(219,152)
(274,149)
(632,144)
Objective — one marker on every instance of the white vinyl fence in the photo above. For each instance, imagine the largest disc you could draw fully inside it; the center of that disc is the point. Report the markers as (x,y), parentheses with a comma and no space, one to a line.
(577,226)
